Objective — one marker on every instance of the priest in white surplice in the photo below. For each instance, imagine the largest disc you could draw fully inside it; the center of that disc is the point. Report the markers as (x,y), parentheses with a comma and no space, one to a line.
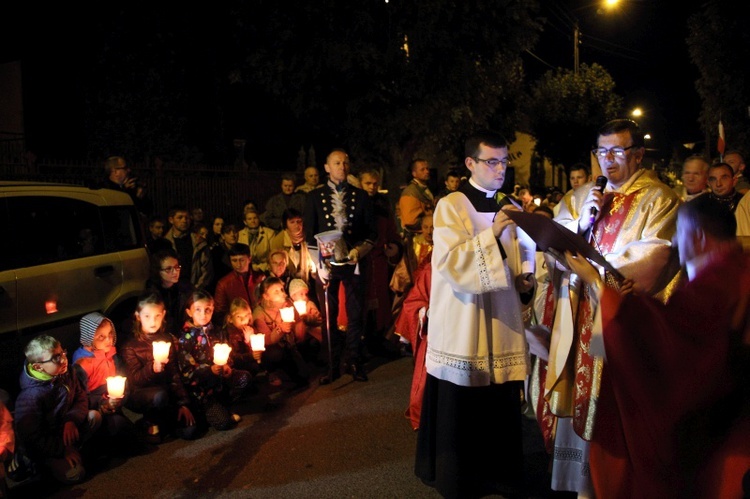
(477,355)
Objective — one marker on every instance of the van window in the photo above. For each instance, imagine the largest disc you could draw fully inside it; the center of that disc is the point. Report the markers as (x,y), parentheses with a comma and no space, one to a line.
(122,230)
(50,229)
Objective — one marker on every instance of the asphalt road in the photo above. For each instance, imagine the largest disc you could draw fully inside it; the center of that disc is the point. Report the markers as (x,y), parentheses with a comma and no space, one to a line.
(345,440)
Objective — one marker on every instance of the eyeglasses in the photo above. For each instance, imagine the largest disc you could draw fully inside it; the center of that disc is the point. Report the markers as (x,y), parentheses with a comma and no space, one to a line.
(171,270)
(493,162)
(618,152)
(57,358)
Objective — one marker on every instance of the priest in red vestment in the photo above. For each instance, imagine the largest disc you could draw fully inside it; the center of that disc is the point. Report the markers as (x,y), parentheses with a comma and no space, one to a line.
(677,421)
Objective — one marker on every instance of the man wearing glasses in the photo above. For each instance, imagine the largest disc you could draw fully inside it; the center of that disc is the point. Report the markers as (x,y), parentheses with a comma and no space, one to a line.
(631,223)
(476,357)
(52,415)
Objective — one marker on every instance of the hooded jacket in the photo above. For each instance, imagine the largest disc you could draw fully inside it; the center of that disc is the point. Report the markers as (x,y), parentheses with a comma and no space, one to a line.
(42,409)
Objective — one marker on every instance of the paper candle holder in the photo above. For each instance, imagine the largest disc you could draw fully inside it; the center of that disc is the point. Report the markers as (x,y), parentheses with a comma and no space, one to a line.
(116,387)
(287,314)
(221,353)
(161,351)
(301,306)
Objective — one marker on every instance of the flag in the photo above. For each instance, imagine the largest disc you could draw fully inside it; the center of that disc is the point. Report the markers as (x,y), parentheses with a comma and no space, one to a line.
(721,144)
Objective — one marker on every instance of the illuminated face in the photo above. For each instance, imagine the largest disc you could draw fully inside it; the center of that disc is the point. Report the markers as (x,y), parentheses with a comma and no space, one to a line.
(486,176)
(240,263)
(294,226)
(156,229)
(218,225)
(103,337)
(169,272)
(203,232)
(241,317)
(421,171)
(452,183)
(151,317)
(721,180)
(230,237)
(619,170)
(578,178)
(54,363)
(287,186)
(684,239)
(300,295)
(312,177)
(337,166)
(275,294)
(695,175)
(370,183)
(180,221)
(427,228)
(736,162)
(119,173)
(201,312)
(252,220)
(278,265)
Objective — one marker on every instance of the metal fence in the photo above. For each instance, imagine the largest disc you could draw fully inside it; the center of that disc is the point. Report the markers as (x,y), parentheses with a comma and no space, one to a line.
(217,190)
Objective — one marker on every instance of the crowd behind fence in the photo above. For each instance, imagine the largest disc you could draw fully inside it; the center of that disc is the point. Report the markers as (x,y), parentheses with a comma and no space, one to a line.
(218,191)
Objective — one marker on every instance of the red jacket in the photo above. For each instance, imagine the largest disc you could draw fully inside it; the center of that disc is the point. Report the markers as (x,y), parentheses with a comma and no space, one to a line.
(233,286)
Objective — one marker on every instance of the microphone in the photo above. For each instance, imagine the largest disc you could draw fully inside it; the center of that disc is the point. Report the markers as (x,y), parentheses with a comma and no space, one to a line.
(601,183)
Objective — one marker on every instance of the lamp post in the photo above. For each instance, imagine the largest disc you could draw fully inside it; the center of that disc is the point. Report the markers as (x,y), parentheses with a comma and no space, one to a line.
(606,5)
(576,42)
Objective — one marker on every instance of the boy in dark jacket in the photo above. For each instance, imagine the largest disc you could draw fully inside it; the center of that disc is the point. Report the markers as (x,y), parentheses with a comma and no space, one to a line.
(52,415)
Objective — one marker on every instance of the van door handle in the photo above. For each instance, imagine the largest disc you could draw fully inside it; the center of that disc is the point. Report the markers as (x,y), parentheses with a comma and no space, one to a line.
(102,271)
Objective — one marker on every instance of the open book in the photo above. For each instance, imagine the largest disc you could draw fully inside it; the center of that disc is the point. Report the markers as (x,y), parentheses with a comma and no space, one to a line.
(548,234)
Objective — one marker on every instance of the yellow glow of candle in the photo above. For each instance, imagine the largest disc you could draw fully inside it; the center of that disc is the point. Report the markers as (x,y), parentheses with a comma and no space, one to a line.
(116,386)
(161,351)
(301,306)
(221,353)
(258,342)
(287,314)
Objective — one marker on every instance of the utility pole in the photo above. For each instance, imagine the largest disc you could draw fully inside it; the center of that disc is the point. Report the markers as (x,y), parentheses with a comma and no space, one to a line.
(576,35)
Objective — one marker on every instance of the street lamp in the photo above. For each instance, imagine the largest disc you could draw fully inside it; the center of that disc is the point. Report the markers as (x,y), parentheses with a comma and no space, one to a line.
(605,5)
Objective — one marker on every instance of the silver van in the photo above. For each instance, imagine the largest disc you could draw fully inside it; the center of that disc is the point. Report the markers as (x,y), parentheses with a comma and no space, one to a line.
(65,251)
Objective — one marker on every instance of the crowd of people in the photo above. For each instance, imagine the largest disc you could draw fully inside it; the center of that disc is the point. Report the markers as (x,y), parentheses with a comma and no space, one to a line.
(636,371)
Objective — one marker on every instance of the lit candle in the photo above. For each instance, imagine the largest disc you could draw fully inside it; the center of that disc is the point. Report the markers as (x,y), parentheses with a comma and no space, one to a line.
(116,387)
(221,353)
(258,342)
(287,314)
(161,351)
(301,306)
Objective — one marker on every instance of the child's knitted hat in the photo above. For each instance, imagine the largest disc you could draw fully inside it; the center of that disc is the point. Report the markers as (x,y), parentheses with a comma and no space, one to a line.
(297,285)
(89,324)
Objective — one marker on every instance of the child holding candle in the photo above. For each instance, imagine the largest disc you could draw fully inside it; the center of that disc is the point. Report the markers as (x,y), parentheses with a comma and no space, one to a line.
(282,355)
(236,333)
(52,417)
(308,310)
(156,388)
(94,362)
(214,386)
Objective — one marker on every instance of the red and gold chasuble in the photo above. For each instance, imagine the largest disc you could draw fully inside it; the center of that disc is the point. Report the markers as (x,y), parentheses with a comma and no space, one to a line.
(588,369)
(635,226)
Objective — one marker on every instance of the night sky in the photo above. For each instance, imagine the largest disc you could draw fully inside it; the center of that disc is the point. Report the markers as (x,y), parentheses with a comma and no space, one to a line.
(642,45)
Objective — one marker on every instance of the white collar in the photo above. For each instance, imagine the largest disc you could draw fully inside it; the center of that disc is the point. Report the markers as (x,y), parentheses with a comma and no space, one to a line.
(488,193)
